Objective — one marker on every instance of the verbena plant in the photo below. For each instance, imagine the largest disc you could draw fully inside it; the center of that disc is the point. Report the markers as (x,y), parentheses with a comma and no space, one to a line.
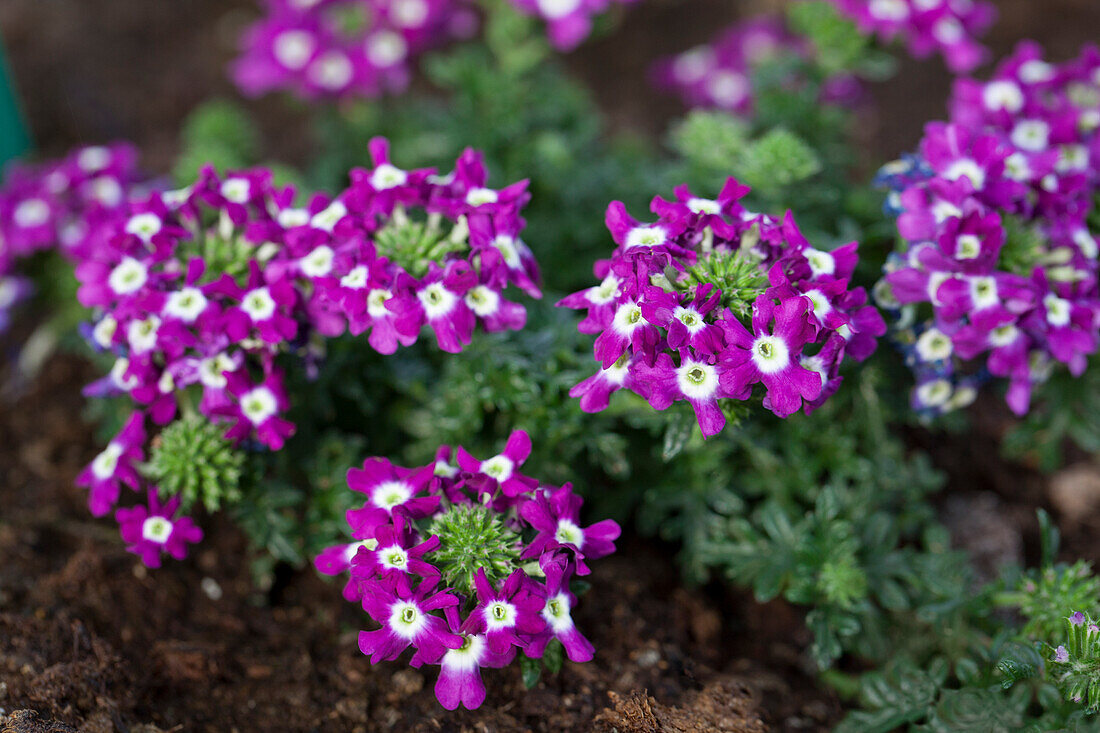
(259,328)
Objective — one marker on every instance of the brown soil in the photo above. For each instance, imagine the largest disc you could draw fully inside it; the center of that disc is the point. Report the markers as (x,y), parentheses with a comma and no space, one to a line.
(90,639)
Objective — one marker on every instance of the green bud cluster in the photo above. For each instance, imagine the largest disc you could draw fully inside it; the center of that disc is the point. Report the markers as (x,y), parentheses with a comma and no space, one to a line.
(735,272)
(473,537)
(412,243)
(192,459)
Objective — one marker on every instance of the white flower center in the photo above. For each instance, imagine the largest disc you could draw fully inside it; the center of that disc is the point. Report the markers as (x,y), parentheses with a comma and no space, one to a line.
(1072,158)
(479,196)
(104,331)
(645,236)
(144,225)
(1031,135)
(605,292)
(390,494)
(356,279)
(127,276)
(352,550)
(728,88)
(258,304)
(290,218)
(770,354)
(627,318)
(212,370)
(691,66)
(31,212)
(821,263)
(93,158)
(697,380)
(967,247)
(142,334)
(437,300)
(691,318)
(934,393)
(569,533)
(1086,243)
(556,613)
(944,210)
(935,280)
(467,657)
(332,71)
(386,48)
(105,464)
(499,467)
(966,167)
(500,615)
(445,470)
(259,405)
(555,9)
(106,190)
(119,376)
(387,176)
(889,10)
(1058,310)
(394,558)
(186,304)
(167,383)
(236,190)
(318,263)
(948,31)
(156,529)
(1035,71)
(1003,335)
(962,397)
(934,345)
(819,303)
(406,620)
(376,302)
(409,13)
(326,219)
(294,48)
(1017,168)
(983,291)
(507,248)
(483,301)
(704,206)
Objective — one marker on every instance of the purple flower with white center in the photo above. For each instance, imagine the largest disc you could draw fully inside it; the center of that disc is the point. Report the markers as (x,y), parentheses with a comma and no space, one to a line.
(388,488)
(595,392)
(558,614)
(152,530)
(769,355)
(406,619)
(556,516)
(509,613)
(114,466)
(696,380)
(502,469)
(258,409)
(459,681)
(1061,654)
(475,591)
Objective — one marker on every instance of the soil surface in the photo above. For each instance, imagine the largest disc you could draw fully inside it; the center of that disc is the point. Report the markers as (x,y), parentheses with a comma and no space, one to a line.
(91,641)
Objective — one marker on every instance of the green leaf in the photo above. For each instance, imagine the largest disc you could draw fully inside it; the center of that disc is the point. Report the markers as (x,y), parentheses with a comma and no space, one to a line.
(531,670)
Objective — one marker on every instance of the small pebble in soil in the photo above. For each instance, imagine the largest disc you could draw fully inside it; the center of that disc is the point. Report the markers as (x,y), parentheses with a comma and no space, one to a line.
(211,588)
(648,658)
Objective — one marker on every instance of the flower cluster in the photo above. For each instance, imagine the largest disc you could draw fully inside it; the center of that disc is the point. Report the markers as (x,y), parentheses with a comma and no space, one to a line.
(719,75)
(711,299)
(339,48)
(993,214)
(198,292)
(60,206)
(468,563)
(949,27)
(1074,667)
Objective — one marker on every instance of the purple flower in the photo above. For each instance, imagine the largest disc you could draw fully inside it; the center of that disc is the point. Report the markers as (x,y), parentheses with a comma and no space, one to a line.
(459,681)
(556,516)
(388,488)
(1061,655)
(153,530)
(503,469)
(769,355)
(557,612)
(508,615)
(115,466)
(406,619)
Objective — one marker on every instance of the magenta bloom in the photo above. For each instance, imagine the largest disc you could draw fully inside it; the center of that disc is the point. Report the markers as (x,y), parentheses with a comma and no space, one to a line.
(768,355)
(388,488)
(406,619)
(509,613)
(396,552)
(459,681)
(503,470)
(115,466)
(257,410)
(556,516)
(154,530)
(558,614)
